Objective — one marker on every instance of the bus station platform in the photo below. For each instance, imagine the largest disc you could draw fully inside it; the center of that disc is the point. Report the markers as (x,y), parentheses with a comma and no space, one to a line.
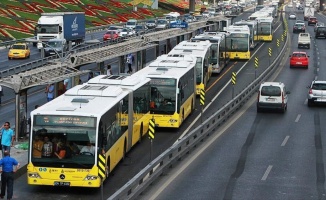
(21,155)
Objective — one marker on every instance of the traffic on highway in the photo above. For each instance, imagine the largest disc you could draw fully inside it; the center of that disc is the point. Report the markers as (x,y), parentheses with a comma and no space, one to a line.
(255,154)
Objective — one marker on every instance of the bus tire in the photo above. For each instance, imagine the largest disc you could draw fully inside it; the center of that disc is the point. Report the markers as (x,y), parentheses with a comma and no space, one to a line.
(107,169)
(140,133)
(183,115)
(124,151)
(192,106)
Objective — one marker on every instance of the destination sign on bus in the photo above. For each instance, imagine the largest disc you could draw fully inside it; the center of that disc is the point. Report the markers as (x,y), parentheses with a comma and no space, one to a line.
(72,121)
(163,82)
(265,24)
(239,35)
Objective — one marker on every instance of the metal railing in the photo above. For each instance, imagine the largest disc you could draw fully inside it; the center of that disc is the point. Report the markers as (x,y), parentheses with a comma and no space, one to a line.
(41,62)
(7,44)
(134,187)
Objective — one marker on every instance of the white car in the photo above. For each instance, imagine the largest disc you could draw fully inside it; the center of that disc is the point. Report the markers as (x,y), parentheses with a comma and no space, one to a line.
(272,96)
(292,16)
(206,14)
(126,32)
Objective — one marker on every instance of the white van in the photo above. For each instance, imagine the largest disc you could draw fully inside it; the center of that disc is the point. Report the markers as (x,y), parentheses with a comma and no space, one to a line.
(304,40)
(131,23)
(272,96)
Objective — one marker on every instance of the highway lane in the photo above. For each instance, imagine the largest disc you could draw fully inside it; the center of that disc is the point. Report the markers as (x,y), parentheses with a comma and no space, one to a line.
(135,161)
(259,156)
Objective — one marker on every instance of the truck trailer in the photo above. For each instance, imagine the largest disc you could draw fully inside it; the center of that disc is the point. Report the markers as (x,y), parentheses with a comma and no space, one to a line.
(308,12)
(66,26)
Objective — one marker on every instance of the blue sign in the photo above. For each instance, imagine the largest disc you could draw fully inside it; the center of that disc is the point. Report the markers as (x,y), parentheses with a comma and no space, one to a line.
(179,24)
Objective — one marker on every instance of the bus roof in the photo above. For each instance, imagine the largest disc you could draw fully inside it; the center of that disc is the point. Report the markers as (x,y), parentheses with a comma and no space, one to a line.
(83,100)
(132,82)
(238,29)
(245,22)
(265,19)
(161,69)
(213,37)
(198,48)
(177,57)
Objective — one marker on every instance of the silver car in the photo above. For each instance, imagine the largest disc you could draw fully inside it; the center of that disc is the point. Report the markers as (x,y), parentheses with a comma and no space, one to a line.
(318,24)
(317,93)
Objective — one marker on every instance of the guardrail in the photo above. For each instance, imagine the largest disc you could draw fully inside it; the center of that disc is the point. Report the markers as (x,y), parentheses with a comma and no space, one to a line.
(41,62)
(134,187)
(28,66)
(88,30)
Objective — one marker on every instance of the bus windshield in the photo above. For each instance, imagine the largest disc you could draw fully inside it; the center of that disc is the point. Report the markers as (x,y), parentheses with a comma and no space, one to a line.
(70,133)
(214,54)
(238,44)
(163,96)
(199,70)
(264,29)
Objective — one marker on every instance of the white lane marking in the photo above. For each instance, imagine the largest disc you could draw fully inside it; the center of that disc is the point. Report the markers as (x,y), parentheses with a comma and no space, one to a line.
(218,94)
(285,141)
(318,69)
(269,168)
(298,118)
(200,151)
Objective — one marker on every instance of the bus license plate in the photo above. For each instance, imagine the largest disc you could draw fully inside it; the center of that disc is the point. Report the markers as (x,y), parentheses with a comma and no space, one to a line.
(57,183)
(299,63)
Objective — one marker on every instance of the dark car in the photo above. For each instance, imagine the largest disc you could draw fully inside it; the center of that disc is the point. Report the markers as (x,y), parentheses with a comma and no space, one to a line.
(299,28)
(312,20)
(320,32)
(300,7)
(140,29)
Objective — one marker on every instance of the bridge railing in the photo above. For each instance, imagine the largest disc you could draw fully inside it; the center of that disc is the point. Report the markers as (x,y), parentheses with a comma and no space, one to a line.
(134,187)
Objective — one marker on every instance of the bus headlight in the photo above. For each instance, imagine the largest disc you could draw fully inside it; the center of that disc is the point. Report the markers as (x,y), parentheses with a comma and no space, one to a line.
(173,121)
(34,175)
(91,178)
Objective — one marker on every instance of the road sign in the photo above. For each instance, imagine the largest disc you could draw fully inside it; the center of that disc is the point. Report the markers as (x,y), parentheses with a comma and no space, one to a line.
(202,97)
(234,78)
(179,24)
(151,129)
(101,165)
(256,62)
(270,52)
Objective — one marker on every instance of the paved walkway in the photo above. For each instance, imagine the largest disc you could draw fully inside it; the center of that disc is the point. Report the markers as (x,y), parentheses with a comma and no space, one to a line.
(21,156)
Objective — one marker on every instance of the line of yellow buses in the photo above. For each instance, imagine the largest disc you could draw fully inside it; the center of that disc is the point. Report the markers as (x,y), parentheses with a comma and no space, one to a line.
(108,115)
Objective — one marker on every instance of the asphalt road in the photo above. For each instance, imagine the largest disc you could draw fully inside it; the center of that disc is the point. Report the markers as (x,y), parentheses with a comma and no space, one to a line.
(260,155)
(138,157)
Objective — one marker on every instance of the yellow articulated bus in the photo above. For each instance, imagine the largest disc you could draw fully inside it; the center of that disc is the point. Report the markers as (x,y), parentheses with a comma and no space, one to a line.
(252,24)
(173,90)
(265,28)
(238,42)
(218,56)
(202,51)
(86,121)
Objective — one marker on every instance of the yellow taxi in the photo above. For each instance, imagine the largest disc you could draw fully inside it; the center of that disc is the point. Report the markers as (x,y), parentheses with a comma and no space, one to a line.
(19,50)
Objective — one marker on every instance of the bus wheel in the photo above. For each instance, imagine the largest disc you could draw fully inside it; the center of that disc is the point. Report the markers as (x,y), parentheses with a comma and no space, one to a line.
(192,107)
(107,169)
(124,152)
(140,133)
(183,115)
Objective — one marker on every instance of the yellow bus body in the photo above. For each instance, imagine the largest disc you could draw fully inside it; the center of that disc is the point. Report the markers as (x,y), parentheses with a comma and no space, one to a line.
(239,55)
(175,120)
(77,177)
